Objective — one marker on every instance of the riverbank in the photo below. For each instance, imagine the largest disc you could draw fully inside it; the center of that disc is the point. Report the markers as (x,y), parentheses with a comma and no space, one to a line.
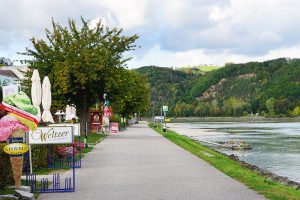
(274,145)
(263,185)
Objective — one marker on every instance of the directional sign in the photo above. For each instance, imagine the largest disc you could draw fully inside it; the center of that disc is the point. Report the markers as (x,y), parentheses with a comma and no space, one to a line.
(165,108)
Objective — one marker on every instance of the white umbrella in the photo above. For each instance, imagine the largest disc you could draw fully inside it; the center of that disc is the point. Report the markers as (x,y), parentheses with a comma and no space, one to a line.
(46,100)
(68,113)
(73,112)
(36,92)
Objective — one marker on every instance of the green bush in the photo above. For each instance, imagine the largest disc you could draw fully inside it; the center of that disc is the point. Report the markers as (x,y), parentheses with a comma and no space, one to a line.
(6,176)
(40,155)
(116,118)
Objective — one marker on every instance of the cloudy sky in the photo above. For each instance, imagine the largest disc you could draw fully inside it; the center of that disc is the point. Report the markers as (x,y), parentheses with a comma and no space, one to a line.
(172,32)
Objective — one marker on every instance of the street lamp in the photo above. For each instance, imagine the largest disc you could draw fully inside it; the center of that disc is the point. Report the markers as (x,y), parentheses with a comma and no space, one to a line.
(103,107)
(60,115)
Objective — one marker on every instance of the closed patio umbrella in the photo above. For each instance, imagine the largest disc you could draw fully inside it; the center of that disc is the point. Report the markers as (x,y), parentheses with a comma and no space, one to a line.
(36,92)
(46,100)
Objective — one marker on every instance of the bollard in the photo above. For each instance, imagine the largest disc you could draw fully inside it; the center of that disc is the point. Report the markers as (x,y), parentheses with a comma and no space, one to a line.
(164,129)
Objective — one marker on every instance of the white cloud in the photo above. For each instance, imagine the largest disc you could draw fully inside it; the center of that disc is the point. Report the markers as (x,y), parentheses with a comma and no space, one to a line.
(157,56)
(130,13)
(173,32)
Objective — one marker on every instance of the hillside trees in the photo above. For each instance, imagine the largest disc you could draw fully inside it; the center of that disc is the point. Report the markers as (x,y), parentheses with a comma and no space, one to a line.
(82,62)
(271,87)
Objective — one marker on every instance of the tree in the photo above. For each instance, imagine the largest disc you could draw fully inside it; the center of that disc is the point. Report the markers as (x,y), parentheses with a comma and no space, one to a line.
(270,104)
(80,62)
(296,111)
(5,61)
(130,93)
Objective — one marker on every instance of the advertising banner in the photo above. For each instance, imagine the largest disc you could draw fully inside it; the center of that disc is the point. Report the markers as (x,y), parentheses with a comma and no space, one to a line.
(51,135)
(114,127)
(76,127)
(15,148)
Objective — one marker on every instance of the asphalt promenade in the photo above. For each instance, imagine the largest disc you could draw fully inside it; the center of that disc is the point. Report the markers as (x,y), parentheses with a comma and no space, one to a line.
(140,164)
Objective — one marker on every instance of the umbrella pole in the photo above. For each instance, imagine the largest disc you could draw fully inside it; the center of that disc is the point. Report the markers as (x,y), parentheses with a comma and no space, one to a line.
(30,159)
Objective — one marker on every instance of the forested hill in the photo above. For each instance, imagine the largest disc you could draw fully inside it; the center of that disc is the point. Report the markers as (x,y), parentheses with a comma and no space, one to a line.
(269,88)
(165,83)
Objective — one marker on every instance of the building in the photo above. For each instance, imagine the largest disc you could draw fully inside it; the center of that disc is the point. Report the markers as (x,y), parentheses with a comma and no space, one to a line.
(11,74)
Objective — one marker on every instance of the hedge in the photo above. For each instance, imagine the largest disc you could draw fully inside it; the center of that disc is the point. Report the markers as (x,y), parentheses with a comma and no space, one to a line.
(6,176)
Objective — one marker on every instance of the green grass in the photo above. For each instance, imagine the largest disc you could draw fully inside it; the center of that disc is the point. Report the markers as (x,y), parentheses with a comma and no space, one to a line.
(46,171)
(7,191)
(92,138)
(264,186)
(208,68)
(87,150)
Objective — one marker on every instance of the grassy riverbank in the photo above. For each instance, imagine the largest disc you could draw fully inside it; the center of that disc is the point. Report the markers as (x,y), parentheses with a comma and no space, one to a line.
(264,186)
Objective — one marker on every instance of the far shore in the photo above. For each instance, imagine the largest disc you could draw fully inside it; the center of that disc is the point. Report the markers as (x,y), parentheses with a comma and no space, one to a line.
(232,119)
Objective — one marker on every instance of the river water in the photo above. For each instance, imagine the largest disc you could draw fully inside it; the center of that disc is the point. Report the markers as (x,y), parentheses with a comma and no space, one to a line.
(275,146)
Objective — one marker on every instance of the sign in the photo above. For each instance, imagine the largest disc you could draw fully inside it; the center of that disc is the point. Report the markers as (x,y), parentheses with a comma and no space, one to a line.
(114,127)
(165,108)
(51,135)
(76,127)
(95,120)
(15,148)
(9,90)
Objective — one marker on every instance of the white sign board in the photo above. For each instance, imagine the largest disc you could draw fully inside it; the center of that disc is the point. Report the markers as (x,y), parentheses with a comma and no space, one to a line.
(9,90)
(75,126)
(165,108)
(51,135)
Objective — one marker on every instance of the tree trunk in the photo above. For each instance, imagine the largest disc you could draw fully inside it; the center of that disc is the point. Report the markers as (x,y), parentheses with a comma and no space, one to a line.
(84,116)
(82,121)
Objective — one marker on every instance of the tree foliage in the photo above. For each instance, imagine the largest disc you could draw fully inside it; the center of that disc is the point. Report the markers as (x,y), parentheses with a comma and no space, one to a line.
(83,63)
(5,62)
(270,87)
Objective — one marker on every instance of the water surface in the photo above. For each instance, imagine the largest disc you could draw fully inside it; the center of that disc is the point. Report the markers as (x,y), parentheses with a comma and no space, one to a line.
(276,146)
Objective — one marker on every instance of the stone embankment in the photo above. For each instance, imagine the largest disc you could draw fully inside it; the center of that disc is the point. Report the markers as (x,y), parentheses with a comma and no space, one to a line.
(265,173)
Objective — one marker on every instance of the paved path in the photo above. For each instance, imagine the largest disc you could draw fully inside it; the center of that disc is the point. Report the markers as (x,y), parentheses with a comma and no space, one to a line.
(140,164)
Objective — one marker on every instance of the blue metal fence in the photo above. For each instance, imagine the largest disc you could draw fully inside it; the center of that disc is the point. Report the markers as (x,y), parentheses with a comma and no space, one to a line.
(45,186)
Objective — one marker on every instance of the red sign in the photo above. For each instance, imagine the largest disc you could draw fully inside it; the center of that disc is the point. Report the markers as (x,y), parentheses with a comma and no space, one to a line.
(114,127)
(95,120)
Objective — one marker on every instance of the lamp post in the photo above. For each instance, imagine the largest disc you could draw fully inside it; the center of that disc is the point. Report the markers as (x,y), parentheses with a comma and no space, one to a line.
(103,120)
(60,115)
(165,109)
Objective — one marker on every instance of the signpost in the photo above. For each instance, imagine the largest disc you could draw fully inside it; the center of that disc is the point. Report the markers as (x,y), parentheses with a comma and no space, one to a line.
(165,109)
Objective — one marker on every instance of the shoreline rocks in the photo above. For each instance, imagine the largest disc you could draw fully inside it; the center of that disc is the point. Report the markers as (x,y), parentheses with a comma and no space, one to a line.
(283,180)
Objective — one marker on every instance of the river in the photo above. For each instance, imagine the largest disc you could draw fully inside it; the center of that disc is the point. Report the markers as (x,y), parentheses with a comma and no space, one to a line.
(275,146)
